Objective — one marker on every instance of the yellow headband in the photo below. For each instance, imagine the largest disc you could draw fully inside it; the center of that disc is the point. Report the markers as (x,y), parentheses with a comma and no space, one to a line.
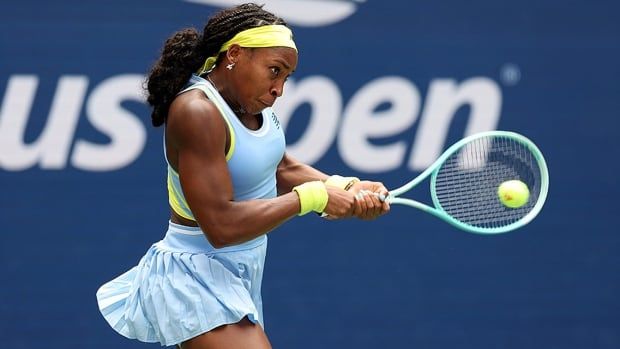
(264,36)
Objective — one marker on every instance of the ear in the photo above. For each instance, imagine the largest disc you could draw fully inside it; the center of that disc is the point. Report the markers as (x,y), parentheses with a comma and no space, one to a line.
(233,53)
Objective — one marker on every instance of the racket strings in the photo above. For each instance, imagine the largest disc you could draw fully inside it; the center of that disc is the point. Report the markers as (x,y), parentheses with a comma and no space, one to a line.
(466,184)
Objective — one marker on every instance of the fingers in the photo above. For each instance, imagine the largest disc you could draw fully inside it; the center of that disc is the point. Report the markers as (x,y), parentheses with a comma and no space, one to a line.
(369,205)
(361,205)
(382,191)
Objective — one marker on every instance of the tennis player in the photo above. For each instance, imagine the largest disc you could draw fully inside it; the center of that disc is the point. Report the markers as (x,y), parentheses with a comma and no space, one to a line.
(230,182)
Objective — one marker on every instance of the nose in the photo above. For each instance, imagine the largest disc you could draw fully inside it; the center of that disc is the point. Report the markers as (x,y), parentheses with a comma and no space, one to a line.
(277,89)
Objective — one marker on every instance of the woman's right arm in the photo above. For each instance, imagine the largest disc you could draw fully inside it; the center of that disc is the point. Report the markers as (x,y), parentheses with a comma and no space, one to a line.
(196,133)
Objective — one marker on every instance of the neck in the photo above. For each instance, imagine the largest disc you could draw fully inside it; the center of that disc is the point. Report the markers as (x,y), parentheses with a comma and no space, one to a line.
(235,107)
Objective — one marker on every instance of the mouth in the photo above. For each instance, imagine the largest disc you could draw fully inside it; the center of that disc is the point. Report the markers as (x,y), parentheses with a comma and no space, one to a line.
(267,104)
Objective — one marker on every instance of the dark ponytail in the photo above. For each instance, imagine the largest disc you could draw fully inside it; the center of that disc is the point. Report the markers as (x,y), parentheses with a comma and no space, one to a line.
(185,52)
(179,59)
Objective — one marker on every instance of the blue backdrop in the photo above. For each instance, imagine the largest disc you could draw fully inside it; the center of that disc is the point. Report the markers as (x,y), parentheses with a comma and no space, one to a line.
(382,87)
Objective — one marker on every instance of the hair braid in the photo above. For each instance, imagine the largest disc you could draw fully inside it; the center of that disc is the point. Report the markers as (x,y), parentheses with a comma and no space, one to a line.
(186,50)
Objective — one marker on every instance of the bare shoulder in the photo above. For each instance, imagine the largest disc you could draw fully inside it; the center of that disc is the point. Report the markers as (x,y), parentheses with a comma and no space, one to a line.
(192,117)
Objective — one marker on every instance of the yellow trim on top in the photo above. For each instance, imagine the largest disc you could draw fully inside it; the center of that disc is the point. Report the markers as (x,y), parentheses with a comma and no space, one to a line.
(231,150)
(175,199)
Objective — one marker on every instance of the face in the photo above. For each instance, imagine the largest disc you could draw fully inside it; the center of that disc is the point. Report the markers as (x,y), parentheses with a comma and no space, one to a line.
(259,76)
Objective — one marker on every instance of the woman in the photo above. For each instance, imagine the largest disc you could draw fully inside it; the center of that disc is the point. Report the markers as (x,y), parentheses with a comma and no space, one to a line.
(230,182)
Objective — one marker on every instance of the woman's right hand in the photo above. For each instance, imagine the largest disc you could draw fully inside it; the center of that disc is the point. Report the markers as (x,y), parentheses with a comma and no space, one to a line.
(341,203)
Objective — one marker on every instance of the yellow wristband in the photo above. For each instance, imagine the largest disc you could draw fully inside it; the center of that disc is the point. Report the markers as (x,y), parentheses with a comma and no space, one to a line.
(312,197)
(344,183)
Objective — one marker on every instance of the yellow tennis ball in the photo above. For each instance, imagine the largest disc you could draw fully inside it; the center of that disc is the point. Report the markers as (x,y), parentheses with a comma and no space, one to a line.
(513,194)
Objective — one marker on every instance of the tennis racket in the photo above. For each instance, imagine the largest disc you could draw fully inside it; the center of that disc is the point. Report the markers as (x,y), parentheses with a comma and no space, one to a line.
(464,182)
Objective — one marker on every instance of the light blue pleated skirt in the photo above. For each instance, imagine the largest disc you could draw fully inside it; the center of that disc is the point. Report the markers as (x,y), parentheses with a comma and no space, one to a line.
(184,287)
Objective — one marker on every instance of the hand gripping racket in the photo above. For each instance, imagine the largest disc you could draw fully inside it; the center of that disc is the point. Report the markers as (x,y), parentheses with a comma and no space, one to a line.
(465,179)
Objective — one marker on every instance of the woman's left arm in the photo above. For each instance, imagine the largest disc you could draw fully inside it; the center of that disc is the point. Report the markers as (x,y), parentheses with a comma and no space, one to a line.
(292,172)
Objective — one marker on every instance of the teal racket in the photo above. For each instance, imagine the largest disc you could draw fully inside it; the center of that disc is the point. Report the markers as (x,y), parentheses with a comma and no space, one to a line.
(464,183)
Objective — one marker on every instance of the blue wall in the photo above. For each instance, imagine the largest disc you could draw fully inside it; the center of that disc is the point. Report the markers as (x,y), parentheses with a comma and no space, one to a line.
(85,197)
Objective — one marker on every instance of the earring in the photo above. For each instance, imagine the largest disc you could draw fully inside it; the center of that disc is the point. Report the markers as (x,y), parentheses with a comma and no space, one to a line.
(230,66)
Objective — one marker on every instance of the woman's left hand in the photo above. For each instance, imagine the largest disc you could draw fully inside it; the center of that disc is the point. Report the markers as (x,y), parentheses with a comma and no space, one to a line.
(367,202)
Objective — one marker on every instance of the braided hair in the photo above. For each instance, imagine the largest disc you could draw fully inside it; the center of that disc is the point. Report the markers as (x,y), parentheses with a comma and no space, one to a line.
(186,50)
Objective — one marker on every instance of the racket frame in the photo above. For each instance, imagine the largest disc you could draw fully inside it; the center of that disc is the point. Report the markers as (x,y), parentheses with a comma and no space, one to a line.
(433,169)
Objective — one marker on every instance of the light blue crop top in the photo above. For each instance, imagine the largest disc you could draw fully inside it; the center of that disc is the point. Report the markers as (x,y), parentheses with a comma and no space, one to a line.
(252,159)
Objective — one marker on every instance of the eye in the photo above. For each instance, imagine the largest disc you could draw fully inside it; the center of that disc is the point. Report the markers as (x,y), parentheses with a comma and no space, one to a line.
(275,71)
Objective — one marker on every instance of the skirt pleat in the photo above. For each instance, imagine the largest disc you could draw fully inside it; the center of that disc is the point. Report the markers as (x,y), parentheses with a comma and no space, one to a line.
(183,287)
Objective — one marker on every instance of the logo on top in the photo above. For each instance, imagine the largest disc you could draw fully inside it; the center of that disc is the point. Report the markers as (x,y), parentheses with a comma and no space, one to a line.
(303,13)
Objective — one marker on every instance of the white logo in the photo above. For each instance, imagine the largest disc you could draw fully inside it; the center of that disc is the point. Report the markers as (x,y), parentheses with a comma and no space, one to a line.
(304,13)
(352,126)
(57,144)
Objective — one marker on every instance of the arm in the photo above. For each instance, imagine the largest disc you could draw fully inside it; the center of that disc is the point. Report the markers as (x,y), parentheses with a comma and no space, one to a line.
(196,143)
(196,134)
(291,172)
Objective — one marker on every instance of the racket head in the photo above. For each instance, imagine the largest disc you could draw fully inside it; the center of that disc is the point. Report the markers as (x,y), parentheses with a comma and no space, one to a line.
(465,181)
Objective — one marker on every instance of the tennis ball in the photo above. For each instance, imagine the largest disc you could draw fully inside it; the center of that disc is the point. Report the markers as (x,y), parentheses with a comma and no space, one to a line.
(513,194)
